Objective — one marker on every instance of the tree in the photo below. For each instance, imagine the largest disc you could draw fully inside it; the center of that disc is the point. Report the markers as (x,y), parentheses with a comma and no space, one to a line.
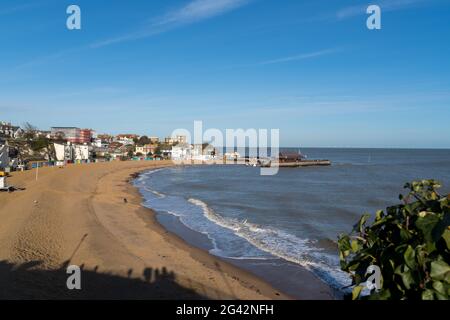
(29,131)
(410,243)
(39,143)
(143,141)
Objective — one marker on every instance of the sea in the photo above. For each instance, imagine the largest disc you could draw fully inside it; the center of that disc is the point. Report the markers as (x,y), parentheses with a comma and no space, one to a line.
(293,218)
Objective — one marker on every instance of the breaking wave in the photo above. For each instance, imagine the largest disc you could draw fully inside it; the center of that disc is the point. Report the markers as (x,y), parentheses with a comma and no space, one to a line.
(283,245)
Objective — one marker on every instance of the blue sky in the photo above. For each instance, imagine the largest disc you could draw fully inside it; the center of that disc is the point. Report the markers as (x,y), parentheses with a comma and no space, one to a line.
(310,68)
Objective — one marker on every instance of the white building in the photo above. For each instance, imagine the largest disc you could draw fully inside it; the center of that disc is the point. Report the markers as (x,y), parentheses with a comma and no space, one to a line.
(4,156)
(203,152)
(72,152)
(126,139)
(81,152)
(182,151)
(166,152)
(63,152)
(97,143)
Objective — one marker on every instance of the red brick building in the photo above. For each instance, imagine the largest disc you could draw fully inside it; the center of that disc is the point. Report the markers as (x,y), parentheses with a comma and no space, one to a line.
(85,136)
(72,134)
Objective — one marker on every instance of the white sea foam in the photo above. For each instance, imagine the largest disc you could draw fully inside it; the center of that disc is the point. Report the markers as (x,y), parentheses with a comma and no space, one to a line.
(146,174)
(281,244)
(152,171)
(142,179)
(156,193)
(174,214)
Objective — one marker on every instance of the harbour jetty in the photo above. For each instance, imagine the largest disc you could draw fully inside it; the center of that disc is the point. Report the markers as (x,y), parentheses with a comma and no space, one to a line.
(294,160)
(304,163)
(284,160)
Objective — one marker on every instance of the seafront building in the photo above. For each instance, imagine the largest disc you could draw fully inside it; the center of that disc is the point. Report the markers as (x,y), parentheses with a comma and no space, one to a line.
(146,149)
(76,145)
(199,152)
(82,152)
(72,134)
(72,152)
(181,151)
(86,135)
(63,152)
(4,155)
(203,152)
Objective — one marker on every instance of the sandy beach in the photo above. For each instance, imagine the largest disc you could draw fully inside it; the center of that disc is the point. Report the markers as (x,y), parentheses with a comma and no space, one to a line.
(77,215)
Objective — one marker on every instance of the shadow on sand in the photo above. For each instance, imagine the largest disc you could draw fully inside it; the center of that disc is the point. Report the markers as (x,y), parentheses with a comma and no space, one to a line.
(29,281)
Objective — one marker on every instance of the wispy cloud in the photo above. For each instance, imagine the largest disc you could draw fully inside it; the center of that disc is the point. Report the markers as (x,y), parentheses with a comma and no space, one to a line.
(386,5)
(198,10)
(193,12)
(303,56)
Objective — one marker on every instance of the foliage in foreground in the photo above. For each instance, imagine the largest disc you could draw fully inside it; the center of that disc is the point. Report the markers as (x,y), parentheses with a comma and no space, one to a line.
(410,243)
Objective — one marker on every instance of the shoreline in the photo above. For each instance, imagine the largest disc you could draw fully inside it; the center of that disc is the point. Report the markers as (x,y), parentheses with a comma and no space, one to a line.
(78,215)
(302,284)
(208,260)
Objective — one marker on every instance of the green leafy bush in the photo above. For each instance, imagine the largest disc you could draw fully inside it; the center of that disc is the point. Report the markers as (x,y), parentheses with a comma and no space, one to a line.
(410,243)
(39,144)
